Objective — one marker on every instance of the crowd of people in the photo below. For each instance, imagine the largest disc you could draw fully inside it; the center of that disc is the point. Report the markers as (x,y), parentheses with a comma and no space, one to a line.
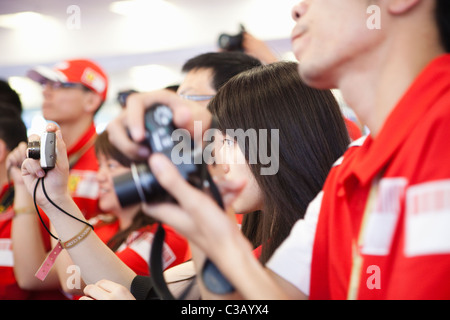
(347,214)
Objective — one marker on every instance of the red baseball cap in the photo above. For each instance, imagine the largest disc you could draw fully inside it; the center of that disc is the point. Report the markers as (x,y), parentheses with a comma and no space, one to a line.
(81,71)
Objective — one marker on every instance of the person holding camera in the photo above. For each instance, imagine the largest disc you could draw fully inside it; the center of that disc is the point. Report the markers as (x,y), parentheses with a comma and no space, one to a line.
(306,124)
(364,235)
(67,227)
(13,207)
(277,215)
(126,231)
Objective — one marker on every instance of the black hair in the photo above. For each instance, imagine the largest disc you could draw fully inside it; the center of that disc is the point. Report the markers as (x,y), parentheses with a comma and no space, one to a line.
(7,94)
(443,22)
(12,129)
(225,65)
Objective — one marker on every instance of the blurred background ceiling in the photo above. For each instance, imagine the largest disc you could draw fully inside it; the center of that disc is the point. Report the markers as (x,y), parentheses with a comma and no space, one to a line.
(142,44)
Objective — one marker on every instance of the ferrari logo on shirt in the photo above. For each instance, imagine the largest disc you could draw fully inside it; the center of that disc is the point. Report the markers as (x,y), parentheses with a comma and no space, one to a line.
(73,182)
(83,184)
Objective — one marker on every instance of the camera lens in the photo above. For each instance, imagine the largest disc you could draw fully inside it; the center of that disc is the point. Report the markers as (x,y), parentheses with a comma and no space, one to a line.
(137,186)
(34,150)
(224,41)
(231,43)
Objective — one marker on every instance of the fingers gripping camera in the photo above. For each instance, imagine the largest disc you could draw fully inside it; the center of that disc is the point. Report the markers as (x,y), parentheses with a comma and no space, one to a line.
(140,185)
(44,150)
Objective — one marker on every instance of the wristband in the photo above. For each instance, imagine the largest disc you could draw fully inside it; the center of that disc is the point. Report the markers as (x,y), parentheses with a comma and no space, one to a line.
(48,263)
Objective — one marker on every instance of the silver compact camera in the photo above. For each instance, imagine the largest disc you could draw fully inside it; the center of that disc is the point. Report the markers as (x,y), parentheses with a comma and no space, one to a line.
(44,150)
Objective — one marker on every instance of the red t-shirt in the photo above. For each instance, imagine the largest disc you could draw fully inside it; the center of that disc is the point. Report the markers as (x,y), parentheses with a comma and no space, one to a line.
(135,251)
(399,248)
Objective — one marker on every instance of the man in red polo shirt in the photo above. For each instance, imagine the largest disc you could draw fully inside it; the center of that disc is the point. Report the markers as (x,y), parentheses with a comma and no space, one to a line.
(379,229)
(384,213)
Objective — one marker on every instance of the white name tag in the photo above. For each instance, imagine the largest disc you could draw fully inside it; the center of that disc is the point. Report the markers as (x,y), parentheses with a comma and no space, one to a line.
(428,219)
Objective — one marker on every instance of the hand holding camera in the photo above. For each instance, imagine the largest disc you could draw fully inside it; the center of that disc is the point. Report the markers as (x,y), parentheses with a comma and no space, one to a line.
(140,185)
(127,131)
(42,162)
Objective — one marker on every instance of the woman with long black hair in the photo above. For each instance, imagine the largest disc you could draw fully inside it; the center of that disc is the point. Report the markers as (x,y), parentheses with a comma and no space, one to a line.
(311,136)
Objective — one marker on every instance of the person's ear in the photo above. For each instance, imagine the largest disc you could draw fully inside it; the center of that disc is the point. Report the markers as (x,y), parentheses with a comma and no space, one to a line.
(398,7)
(93,102)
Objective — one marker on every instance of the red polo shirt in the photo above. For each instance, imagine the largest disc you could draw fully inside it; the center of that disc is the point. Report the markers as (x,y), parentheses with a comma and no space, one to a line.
(396,246)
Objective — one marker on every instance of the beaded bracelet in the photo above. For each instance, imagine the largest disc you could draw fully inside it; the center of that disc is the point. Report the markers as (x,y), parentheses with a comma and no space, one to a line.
(77,239)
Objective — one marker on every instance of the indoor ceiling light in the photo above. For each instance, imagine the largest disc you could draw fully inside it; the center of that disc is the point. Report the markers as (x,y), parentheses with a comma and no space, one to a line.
(30,92)
(25,20)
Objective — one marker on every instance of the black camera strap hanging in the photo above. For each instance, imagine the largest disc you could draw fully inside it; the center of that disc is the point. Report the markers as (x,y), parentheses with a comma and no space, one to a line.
(213,280)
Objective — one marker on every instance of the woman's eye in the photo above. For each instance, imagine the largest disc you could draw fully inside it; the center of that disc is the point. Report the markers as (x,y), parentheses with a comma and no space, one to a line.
(112,166)
(228,142)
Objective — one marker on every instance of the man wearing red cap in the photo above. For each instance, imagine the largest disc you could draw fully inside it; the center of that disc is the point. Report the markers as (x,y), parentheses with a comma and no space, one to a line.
(73,92)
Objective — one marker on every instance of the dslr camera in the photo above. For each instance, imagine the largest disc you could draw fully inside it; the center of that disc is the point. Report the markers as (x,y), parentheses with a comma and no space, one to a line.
(44,150)
(140,185)
(232,42)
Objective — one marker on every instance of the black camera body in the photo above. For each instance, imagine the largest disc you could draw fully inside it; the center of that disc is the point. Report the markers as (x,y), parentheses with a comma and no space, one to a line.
(232,42)
(44,150)
(140,185)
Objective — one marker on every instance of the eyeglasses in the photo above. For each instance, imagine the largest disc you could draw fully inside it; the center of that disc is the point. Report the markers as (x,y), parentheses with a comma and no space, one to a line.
(198,97)
(64,85)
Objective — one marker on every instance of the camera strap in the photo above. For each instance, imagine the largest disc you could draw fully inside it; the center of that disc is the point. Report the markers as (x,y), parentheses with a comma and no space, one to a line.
(213,280)
(49,261)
